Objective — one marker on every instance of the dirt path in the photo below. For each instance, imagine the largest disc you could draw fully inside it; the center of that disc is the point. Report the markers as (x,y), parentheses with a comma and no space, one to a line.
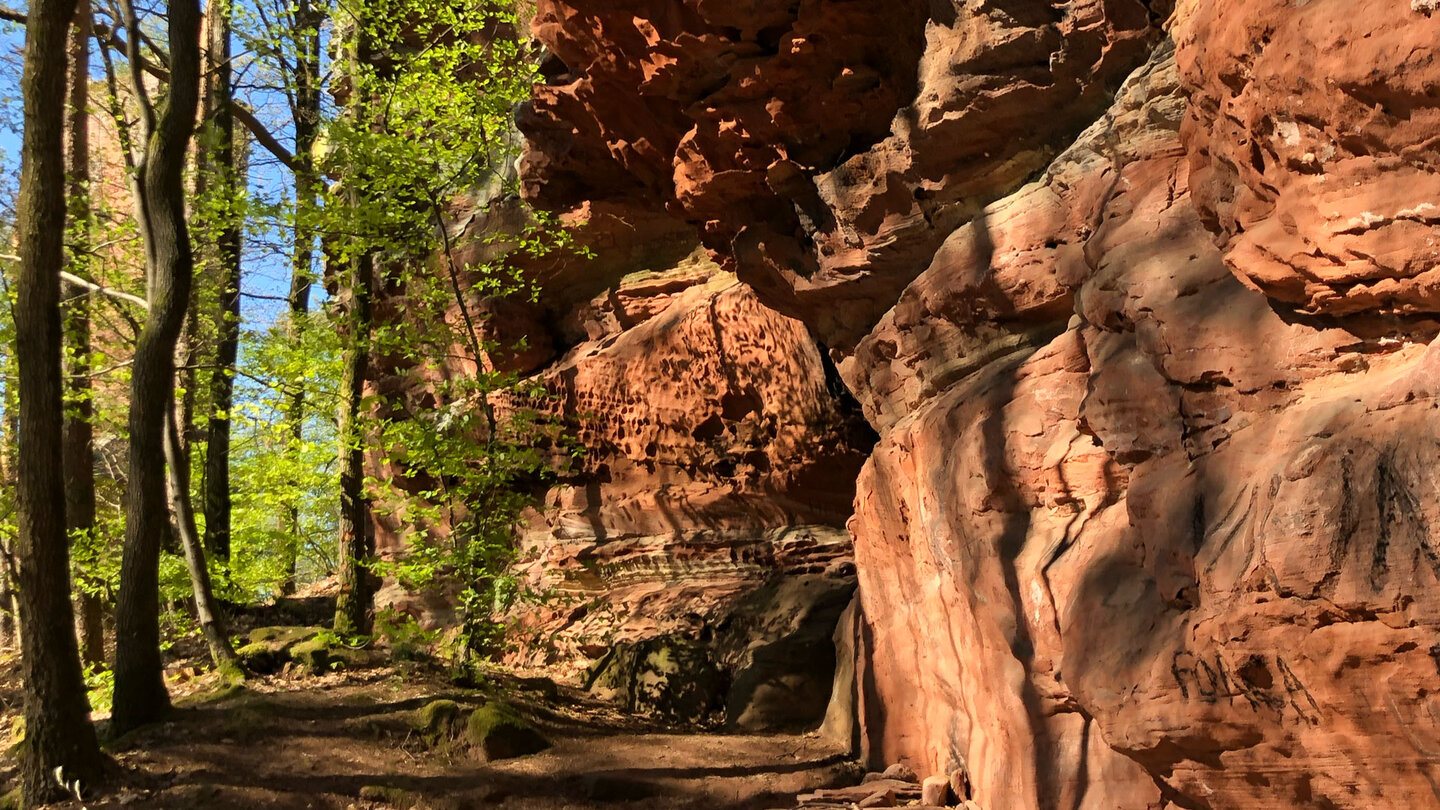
(348,741)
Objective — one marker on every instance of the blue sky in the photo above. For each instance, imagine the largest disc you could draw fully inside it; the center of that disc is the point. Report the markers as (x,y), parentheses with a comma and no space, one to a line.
(266,261)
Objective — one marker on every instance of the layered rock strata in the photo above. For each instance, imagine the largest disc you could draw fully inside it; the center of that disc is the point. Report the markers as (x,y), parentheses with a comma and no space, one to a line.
(719,470)
(693,560)
(1150,521)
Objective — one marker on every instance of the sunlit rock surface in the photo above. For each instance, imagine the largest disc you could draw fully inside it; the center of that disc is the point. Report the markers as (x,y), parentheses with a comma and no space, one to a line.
(700,537)
(1150,521)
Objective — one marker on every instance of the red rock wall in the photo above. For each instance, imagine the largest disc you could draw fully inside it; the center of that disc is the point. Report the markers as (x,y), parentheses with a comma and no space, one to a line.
(822,149)
(706,516)
(1150,521)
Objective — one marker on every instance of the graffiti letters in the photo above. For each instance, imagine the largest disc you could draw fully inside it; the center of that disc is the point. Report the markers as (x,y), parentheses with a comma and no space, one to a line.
(1265,682)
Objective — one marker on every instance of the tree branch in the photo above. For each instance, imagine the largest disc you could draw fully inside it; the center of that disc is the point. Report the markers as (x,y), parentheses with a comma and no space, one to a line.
(112,39)
(93,287)
(263,136)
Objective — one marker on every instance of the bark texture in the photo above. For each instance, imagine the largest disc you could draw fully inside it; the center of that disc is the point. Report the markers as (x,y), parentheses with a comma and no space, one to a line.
(58,734)
(140,695)
(306,117)
(207,610)
(80,407)
(218,161)
(356,544)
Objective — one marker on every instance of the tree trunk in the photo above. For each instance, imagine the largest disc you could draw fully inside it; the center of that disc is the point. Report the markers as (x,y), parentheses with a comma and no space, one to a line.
(9,629)
(306,116)
(218,161)
(352,605)
(212,621)
(80,409)
(140,695)
(58,734)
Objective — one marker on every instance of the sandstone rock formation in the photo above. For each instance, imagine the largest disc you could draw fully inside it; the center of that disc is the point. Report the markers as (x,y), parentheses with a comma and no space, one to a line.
(1321,179)
(694,561)
(1150,521)
(823,149)
(720,466)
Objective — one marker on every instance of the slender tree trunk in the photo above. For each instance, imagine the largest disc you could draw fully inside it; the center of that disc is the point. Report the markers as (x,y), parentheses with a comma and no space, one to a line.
(352,606)
(58,734)
(218,161)
(192,358)
(9,610)
(80,410)
(212,621)
(306,117)
(9,630)
(140,695)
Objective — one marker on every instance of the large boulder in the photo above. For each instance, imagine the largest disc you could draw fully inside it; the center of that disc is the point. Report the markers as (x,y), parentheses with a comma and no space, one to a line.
(1173,529)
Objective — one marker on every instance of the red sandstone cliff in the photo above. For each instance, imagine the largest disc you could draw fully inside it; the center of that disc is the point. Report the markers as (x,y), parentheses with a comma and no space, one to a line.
(695,561)
(1150,523)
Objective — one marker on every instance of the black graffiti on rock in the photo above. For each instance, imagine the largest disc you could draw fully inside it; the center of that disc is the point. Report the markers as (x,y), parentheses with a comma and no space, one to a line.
(1265,681)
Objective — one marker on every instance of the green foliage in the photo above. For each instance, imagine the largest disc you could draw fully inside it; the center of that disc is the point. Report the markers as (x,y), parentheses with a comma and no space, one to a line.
(426,141)
(403,635)
(431,88)
(284,509)
(100,687)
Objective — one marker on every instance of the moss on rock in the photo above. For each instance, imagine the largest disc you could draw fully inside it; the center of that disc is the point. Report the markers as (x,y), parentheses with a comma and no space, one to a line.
(267,649)
(670,677)
(226,690)
(496,731)
(393,796)
(437,721)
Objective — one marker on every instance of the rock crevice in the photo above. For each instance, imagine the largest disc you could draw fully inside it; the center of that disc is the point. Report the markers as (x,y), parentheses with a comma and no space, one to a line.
(1140,303)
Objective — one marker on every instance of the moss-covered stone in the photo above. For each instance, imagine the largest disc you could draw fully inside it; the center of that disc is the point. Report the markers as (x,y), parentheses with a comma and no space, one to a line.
(267,649)
(671,677)
(393,796)
(224,691)
(437,721)
(315,655)
(496,731)
(232,674)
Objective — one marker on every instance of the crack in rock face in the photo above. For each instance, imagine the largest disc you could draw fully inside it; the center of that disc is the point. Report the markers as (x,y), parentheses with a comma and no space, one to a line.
(1137,297)
(822,150)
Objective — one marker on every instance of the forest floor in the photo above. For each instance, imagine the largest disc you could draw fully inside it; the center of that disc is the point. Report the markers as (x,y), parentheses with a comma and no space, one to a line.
(348,740)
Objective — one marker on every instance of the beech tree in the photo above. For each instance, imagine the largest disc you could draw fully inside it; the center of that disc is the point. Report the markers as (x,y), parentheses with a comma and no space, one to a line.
(217,169)
(140,694)
(356,255)
(59,740)
(80,407)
